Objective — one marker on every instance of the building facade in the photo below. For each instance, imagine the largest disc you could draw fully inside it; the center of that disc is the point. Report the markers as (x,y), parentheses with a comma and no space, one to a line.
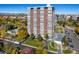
(41,21)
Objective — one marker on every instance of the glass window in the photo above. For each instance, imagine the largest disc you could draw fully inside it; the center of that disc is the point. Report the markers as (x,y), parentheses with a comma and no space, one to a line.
(71,46)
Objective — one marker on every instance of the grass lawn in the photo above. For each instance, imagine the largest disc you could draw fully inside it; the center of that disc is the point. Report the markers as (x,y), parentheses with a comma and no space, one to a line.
(41,51)
(67,51)
(19,40)
(52,47)
(34,42)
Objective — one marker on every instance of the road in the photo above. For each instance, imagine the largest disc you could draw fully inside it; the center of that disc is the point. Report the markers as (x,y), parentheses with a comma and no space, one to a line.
(74,38)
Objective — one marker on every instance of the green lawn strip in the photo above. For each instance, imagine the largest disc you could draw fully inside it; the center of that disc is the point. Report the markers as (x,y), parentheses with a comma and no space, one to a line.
(67,51)
(19,40)
(35,43)
(52,48)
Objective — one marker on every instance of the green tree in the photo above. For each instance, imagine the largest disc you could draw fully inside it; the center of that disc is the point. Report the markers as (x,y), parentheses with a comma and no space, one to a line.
(46,36)
(60,22)
(46,41)
(21,34)
(10,26)
(32,36)
(41,51)
(64,41)
(39,37)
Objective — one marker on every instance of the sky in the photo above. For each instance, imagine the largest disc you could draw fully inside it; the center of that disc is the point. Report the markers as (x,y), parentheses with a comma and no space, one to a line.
(22,8)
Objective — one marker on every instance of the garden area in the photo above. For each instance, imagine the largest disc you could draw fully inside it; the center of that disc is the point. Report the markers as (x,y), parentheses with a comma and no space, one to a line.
(67,51)
(52,46)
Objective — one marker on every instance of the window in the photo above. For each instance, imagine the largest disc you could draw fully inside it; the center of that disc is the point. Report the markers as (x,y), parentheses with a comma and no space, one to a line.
(49,15)
(35,12)
(50,12)
(46,7)
(42,12)
(31,8)
(71,46)
(38,8)
(50,8)
(42,9)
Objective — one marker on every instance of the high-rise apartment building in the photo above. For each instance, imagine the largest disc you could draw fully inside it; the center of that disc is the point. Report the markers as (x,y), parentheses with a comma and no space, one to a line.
(41,21)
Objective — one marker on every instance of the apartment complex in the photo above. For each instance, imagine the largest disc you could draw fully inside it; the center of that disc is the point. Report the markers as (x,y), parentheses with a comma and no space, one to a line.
(41,21)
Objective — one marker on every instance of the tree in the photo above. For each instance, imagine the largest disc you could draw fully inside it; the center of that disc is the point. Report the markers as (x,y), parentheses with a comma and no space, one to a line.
(57,16)
(13,51)
(21,34)
(27,36)
(46,41)
(10,27)
(60,22)
(64,41)
(41,51)
(77,30)
(39,37)
(3,33)
(32,36)
(46,36)
(71,22)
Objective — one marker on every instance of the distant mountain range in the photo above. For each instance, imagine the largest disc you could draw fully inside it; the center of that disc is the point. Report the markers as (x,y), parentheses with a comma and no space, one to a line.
(11,14)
